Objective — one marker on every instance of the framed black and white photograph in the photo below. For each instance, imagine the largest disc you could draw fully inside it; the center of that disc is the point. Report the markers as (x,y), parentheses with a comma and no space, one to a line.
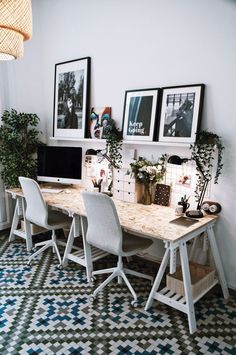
(181,109)
(71,98)
(140,109)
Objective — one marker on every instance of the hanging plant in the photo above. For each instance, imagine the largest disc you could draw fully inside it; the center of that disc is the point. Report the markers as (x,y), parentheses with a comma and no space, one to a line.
(19,140)
(207,147)
(114,140)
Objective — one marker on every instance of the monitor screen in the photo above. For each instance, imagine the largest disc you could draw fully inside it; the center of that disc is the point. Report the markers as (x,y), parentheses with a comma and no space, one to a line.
(60,164)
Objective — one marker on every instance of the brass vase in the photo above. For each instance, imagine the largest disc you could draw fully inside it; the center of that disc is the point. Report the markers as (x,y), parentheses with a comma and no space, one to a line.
(147,194)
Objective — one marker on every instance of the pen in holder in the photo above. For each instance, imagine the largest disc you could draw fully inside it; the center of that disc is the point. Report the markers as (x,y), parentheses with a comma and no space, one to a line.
(184,202)
(97,185)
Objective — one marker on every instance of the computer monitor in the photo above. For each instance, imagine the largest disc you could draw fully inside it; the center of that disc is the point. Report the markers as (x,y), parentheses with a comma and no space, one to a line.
(60,164)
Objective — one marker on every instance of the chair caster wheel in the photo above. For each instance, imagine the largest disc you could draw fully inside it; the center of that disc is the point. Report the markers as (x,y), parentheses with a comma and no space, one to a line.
(60,267)
(134,303)
(91,299)
(29,264)
(92,278)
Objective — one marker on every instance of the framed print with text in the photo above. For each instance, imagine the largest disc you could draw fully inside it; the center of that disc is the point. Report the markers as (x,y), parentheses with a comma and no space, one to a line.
(181,109)
(71,98)
(140,109)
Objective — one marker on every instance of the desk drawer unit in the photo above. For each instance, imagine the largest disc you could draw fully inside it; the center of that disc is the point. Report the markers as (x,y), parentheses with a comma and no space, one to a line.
(125,187)
(118,194)
(130,197)
(118,184)
(129,186)
(118,174)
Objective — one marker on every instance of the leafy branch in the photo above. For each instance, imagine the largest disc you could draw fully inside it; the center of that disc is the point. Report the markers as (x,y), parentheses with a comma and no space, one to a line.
(114,141)
(19,140)
(203,153)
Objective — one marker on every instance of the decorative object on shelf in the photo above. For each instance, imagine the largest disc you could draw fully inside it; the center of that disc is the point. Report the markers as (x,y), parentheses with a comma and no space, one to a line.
(162,195)
(99,122)
(71,98)
(140,109)
(15,27)
(181,110)
(19,140)
(184,202)
(208,145)
(148,173)
(211,207)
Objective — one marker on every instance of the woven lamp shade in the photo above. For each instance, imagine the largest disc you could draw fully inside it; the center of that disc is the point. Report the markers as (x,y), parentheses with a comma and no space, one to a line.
(15,27)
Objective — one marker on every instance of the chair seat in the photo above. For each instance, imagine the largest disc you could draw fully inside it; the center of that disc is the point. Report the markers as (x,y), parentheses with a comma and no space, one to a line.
(133,244)
(57,219)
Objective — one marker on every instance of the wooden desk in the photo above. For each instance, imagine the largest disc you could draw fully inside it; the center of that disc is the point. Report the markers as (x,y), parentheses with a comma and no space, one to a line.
(151,221)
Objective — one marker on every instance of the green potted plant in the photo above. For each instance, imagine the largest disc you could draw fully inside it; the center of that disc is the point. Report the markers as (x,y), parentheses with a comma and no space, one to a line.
(148,173)
(114,141)
(207,147)
(19,140)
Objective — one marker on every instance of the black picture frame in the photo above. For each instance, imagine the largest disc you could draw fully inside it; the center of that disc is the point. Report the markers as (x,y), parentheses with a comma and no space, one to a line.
(140,113)
(71,98)
(180,113)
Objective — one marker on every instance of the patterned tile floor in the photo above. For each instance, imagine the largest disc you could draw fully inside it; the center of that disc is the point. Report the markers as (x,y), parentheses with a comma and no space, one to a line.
(45,310)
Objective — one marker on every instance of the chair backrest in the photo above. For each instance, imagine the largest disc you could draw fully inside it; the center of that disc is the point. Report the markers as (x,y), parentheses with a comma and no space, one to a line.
(104,230)
(36,208)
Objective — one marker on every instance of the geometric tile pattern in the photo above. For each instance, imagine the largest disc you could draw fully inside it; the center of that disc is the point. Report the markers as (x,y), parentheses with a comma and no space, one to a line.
(47,311)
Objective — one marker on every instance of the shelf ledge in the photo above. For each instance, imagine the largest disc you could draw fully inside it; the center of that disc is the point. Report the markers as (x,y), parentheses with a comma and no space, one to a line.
(103,141)
(91,140)
(156,143)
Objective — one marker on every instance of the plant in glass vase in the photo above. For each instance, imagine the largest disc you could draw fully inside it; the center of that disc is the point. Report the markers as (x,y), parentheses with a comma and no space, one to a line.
(148,173)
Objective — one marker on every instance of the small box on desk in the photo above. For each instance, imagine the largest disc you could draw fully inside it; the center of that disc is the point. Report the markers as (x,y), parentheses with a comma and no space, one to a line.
(125,187)
(202,277)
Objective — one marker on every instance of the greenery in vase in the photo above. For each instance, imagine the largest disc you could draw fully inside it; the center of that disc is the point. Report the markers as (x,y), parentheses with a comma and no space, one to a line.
(207,147)
(19,140)
(114,140)
(146,171)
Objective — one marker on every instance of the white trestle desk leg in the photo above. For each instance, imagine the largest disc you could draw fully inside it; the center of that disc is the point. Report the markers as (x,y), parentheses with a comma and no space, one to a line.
(217,260)
(69,243)
(53,241)
(87,248)
(158,278)
(187,287)
(15,222)
(28,235)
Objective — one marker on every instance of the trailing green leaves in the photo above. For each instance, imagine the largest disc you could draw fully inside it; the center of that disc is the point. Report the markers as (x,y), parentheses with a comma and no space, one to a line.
(114,140)
(207,147)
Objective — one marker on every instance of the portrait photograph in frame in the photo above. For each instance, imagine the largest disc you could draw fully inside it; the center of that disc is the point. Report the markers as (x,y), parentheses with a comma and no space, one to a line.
(71,98)
(180,115)
(139,118)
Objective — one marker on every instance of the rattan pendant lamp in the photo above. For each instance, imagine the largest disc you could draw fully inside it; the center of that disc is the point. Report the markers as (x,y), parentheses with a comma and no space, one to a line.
(15,27)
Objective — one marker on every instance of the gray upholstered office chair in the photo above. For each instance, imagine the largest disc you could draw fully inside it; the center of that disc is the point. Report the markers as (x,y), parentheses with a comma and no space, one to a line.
(38,213)
(104,232)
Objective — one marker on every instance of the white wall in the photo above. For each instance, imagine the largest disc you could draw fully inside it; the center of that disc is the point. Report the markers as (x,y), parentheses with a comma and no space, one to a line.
(140,44)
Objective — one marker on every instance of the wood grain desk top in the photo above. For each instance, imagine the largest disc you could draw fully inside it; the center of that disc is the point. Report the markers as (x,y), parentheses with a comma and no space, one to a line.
(152,220)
